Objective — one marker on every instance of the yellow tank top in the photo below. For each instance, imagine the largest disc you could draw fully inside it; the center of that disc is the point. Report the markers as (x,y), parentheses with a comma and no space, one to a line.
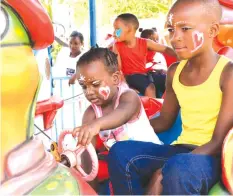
(199,105)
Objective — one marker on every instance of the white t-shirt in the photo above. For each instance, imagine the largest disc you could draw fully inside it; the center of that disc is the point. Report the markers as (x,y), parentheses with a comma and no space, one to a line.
(138,129)
(65,65)
(160,62)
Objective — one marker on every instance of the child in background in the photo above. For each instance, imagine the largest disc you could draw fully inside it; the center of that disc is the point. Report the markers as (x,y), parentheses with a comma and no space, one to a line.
(67,60)
(68,57)
(132,53)
(157,61)
(152,35)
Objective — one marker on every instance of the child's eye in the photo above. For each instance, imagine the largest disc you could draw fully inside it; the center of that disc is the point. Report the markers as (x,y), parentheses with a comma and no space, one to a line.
(170,30)
(96,84)
(83,86)
(186,28)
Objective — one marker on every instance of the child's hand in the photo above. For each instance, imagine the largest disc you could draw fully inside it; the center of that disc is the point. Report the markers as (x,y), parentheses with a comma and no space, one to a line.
(71,81)
(161,71)
(86,133)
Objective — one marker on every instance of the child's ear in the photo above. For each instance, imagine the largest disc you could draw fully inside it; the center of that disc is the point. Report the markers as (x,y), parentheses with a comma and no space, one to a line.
(116,78)
(130,28)
(214,30)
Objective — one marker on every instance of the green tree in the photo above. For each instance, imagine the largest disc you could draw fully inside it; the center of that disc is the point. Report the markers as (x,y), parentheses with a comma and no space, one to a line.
(141,8)
(108,9)
(47,4)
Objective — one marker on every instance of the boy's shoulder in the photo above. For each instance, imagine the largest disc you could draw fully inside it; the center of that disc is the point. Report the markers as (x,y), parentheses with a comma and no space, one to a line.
(172,69)
(228,71)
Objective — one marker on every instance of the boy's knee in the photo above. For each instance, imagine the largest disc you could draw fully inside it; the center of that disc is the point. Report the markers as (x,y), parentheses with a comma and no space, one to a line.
(150,90)
(177,178)
(186,174)
(115,151)
(151,87)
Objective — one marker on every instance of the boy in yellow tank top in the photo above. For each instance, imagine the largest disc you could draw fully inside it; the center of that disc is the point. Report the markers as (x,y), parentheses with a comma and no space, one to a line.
(201,87)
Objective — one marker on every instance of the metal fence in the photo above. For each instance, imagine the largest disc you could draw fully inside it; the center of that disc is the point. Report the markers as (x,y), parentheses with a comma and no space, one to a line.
(69,116)
(75,104)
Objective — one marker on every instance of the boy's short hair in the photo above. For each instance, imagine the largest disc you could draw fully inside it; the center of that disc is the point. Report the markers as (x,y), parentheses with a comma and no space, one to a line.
(106,56)
(77,34)
(211,8)
(129,19)
(146,33)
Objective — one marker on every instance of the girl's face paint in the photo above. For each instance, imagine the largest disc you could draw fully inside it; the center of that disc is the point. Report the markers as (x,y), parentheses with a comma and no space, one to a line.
(198,40)
(105,92)
(82,78)
(118,32)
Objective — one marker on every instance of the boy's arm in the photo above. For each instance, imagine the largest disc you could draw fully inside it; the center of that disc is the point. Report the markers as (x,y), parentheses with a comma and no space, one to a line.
(114,49)
(225,117)
(170,106)
(129,105)
(151,45)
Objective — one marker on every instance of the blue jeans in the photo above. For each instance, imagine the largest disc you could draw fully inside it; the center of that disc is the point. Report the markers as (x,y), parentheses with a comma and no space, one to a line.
(132,163)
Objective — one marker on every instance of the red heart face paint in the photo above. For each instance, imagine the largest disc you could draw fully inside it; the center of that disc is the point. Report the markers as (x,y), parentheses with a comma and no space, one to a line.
(198,40)
(105,92)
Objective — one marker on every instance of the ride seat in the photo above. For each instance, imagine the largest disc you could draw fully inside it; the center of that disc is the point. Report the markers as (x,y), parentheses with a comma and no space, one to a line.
(48,108)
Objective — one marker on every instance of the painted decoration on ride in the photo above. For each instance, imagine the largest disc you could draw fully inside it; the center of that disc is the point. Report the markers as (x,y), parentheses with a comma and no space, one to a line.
(226,51)
(227,162)
(225,36)
(26,168)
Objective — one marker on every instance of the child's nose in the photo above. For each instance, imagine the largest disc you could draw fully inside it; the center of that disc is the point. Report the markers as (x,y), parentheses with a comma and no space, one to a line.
(89,91)
(177,36)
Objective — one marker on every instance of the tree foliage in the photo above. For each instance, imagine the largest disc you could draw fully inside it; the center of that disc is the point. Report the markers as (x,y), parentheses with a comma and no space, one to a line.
(110,8)
(106,10)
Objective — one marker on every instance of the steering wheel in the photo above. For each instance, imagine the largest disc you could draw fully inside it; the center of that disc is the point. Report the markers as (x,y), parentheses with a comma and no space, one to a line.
(71,153)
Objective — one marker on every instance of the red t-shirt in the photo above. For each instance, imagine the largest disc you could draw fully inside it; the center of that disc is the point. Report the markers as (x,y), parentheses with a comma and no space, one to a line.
(150,56)
(169,59)
(133,60)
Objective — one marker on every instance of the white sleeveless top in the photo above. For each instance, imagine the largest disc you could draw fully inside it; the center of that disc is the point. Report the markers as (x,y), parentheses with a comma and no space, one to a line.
(138,129)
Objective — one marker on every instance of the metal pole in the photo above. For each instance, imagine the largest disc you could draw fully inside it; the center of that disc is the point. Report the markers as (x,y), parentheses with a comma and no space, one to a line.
(92,12)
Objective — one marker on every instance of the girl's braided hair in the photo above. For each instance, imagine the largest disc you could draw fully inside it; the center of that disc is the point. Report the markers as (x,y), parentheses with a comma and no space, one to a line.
(108,58)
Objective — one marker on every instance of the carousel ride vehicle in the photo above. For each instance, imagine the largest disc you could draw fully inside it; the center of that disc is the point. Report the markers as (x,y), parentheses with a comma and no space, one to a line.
(26,168)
